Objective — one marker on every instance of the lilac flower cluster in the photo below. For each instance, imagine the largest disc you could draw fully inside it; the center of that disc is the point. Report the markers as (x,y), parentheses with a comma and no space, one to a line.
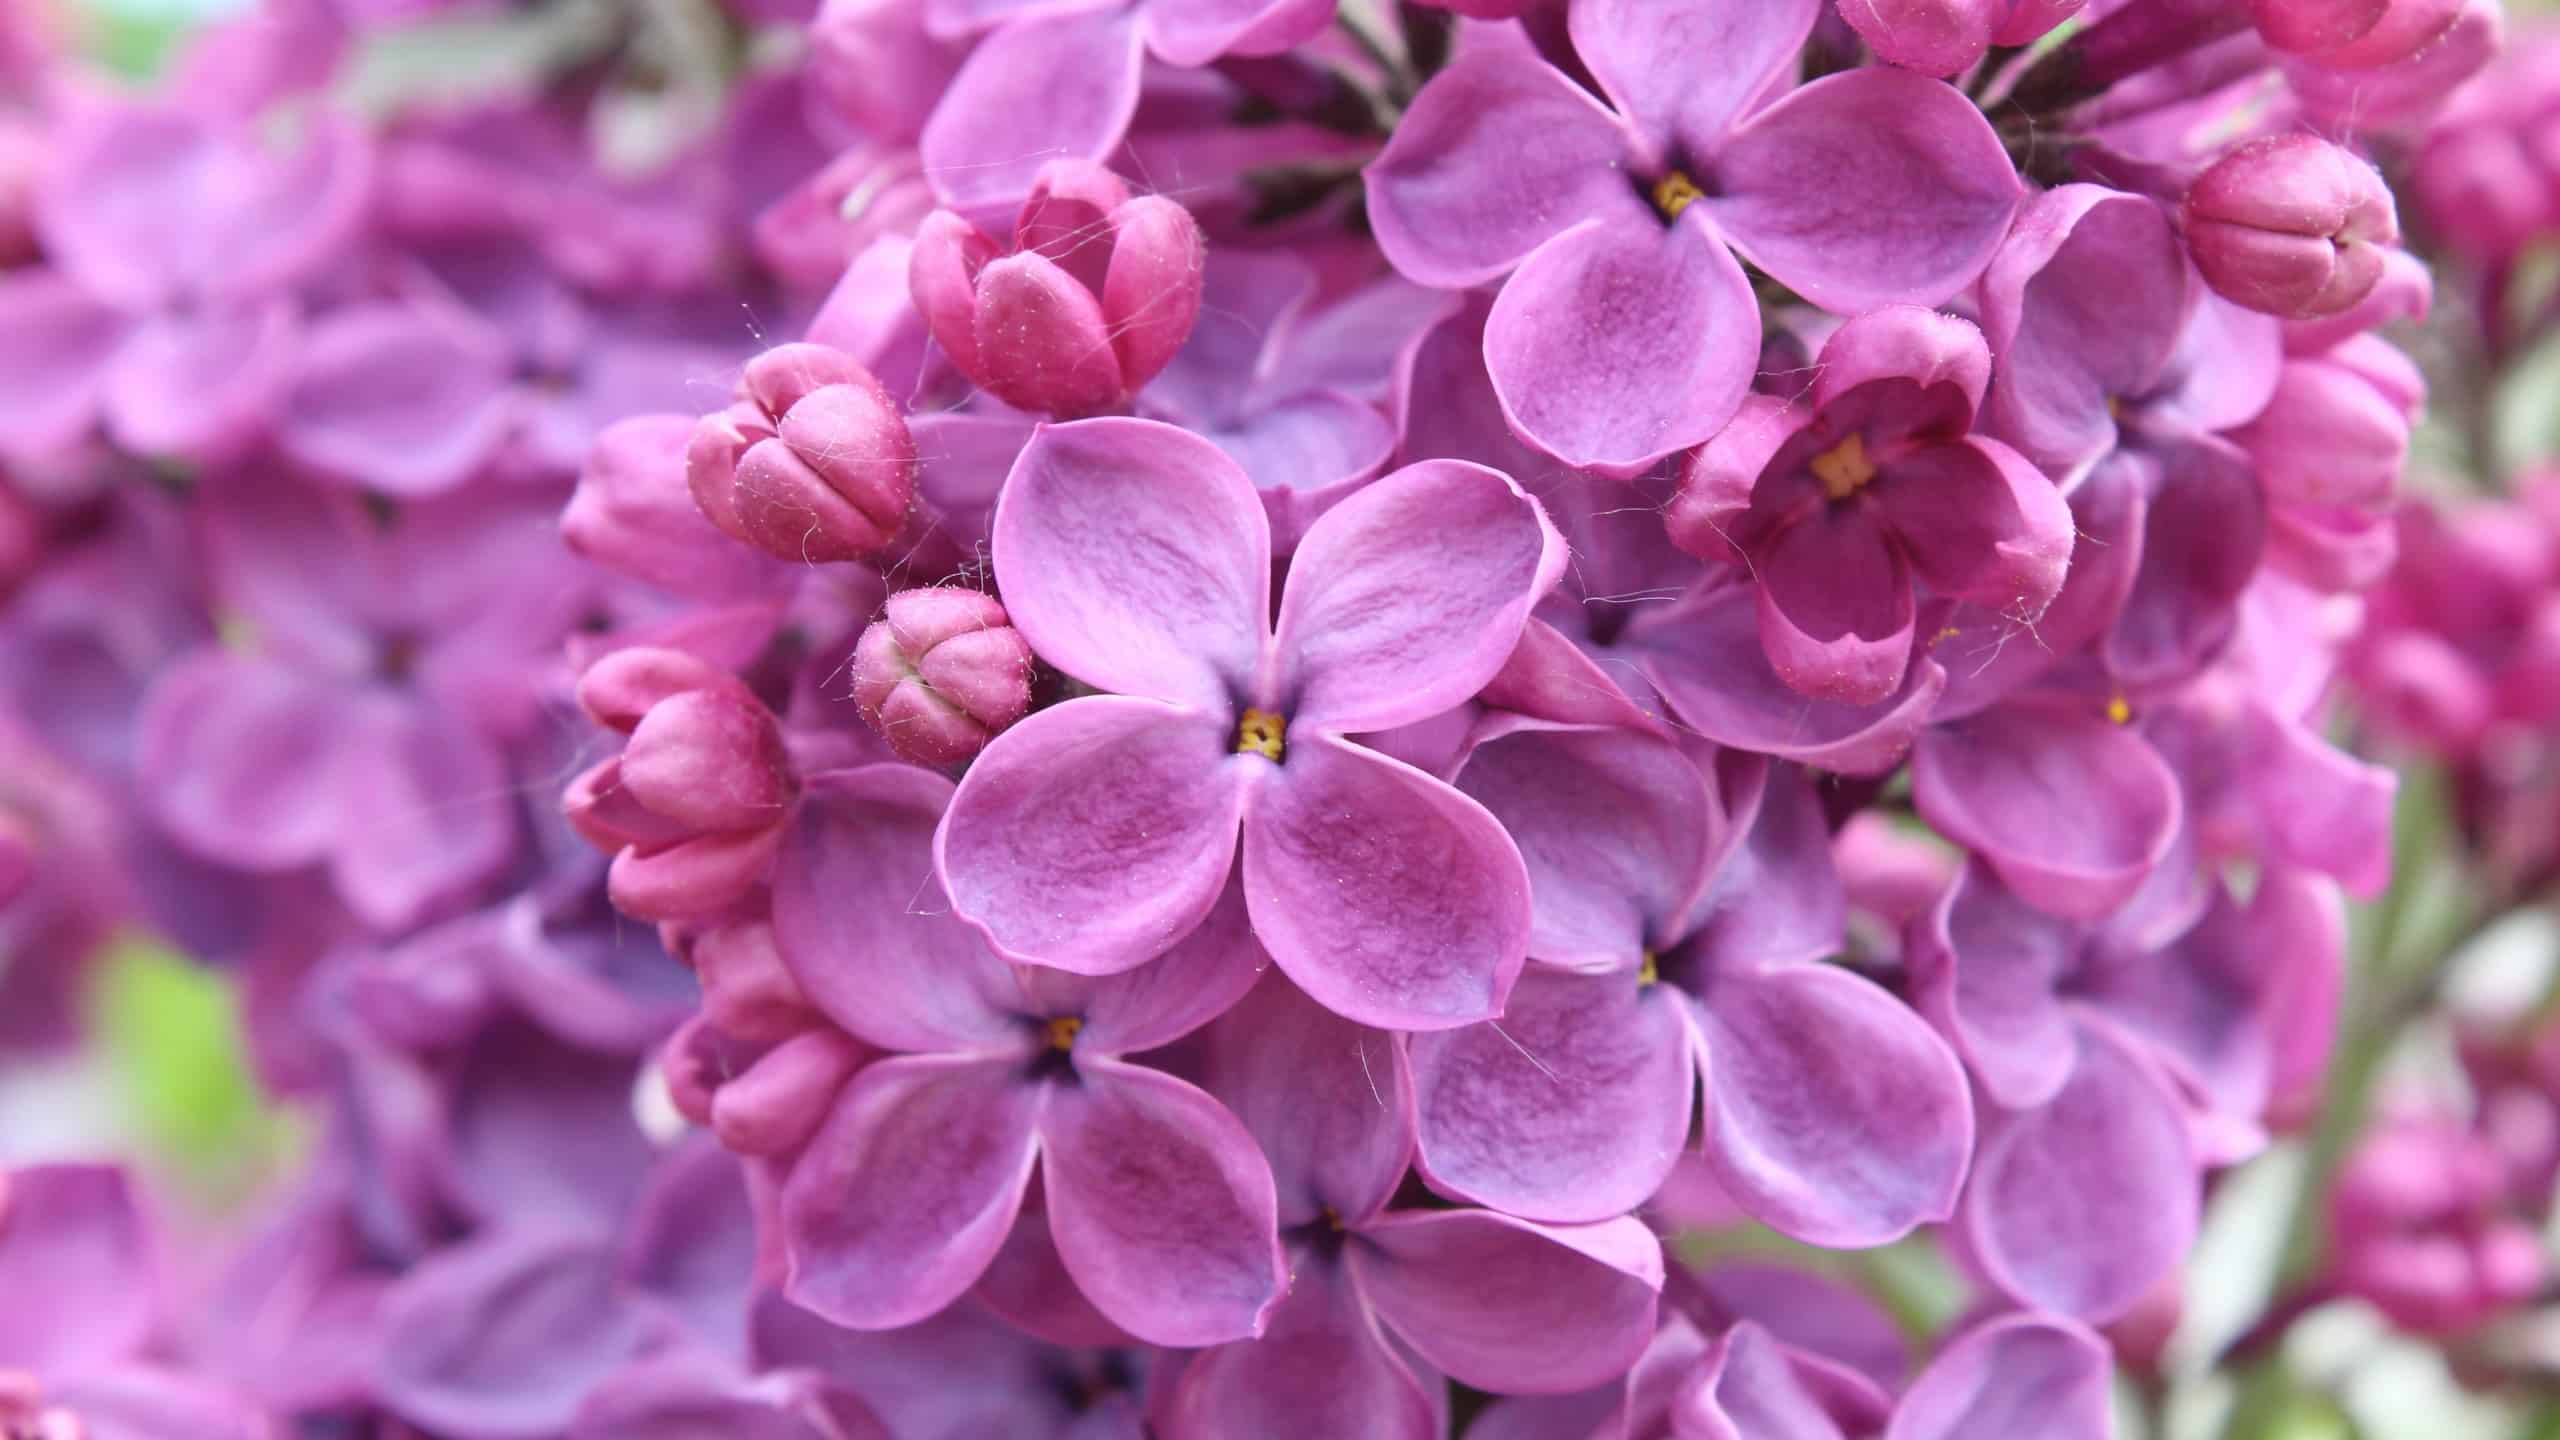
(1182,718)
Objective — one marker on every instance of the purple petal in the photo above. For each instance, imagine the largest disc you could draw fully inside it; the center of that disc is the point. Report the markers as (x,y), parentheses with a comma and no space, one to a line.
(1813,1313)
(401,399)
(1871,187)
(1751,1390)
(1836,608)
(436,814)
(141,1402)
(1777,896)
(1029,1286)
(1687,73)
(202,384)
(73,1233)
(863,926)
(237,755)
(1195,32)
(690,1243)
(1620,341)
(1330,1102)
(1834,1113)
(1095,834)
(1305,454)
(504,1335)
(1199,979)
(687,1395)
(1986,969)
(1406,598)
(2202,537)
(1385,894)
(2082,1206)
(1499,154)
(901,1201)
(2071,810)
(1507,1305)
(538,1127)
(1162,1206)
(1135,557)
(1705,656)
(1570,1107)
(57,344)
(2016,1375)
(2083,303)
(1981,524)
(1322,1368)
(1040,88)
(1614,827)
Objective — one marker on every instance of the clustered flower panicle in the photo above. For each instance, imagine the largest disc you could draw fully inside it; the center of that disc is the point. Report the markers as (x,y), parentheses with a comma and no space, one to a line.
(1181,718)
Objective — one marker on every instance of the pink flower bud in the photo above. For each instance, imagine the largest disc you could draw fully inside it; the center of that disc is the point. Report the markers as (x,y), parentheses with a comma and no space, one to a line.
(1934,37)
(2422,1232)
(709,759)
(2307,27)
(693,1062)
(634,515)
(941,674)
(2293,226)
(746,989)
(622,687)
(813,461)
(695,877)
(1093,297)
(778,1103)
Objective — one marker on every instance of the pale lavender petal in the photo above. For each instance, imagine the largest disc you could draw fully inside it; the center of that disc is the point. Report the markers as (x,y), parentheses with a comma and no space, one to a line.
(237,757)
(1041,88)
(56,344)
(689,1243)
(1621,341)
(1406,598)
(901,1201)
(504,1335)
(1330,1102)
(1777,896)
(1029,1286)
(1134,556)
(863,926)
(433,809)
(1195,32)
(2016,1375)
(403,399)
(2072,810)
(1614,827)
(1391,898)
(1199,979)
(1834,1113)
(202,384)
(1871,187)
(2082,303)
(1752,1390)
(2083,1205)
(73,1233)
(1507,1305)
(1499,154)
(1570,1107)
(1162,1206)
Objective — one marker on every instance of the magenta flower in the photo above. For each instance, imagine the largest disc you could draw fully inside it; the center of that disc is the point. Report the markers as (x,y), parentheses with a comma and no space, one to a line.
(2118,1060)
(1843,507)
(1499,1303)
(1653,978)
(1136,558)
(1629,330)
(1159,1201)
(2425,1231)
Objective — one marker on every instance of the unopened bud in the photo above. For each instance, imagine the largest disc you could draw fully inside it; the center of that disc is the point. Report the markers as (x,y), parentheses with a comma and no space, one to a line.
(1094,296)
(941,674)
(709,759)
(2307,27)
(812,462)
(2293,226)
(781,1099)
(746,989)
(625,685)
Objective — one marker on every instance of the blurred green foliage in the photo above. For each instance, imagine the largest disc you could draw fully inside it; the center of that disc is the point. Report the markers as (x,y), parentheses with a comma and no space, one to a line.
(169,1033)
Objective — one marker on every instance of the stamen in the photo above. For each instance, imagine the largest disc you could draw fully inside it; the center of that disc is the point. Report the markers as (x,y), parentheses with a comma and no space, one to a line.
(1262,733)
(1063,1031)
(1844,469)
(1674,193)
(2120,710)
(1650,972)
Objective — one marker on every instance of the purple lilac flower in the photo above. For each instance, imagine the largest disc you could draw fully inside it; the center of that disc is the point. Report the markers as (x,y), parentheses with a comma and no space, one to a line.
(1136,558)
(1629,330)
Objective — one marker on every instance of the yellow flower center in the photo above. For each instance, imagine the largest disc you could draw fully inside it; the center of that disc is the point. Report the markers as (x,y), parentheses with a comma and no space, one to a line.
(1063,1032)
(1674,193)
(1844,469)
(1262,733)
(1650,972)
(2120,710)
